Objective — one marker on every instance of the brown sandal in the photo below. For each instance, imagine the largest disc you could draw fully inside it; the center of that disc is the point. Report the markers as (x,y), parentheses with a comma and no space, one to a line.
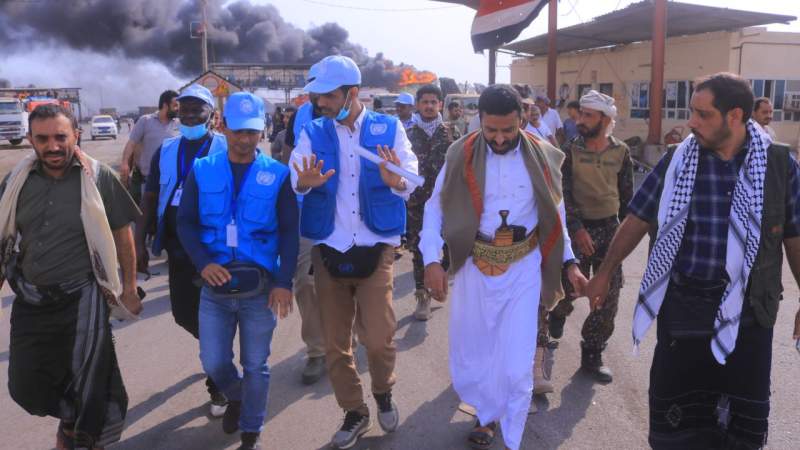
(482,437)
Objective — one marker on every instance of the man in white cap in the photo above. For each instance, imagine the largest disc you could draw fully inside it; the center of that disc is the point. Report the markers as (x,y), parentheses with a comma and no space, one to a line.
(354,211)
(169,167)
(404,105)
(551,118)
(597,176)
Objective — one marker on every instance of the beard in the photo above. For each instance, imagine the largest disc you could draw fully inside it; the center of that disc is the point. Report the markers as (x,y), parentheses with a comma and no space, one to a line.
(716,139)
(55,159)
(171,114)
(506,147)
(590,133)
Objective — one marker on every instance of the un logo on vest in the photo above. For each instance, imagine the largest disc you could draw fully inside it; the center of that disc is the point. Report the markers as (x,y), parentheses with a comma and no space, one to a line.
(377,129)
(265,178)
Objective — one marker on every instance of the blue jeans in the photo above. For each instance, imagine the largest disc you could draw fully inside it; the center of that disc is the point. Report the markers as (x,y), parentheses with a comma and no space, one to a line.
(218,321)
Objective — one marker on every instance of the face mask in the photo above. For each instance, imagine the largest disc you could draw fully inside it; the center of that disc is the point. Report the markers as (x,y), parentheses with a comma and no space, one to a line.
(344,112)
(195,132)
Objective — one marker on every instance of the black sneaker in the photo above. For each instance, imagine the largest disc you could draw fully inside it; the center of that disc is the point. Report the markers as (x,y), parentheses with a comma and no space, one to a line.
(249,441)
(388,416)
(354,426)
(555,326)
(230,421)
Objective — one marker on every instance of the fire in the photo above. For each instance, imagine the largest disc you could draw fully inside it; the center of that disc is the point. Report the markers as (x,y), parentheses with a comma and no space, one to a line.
(408,76)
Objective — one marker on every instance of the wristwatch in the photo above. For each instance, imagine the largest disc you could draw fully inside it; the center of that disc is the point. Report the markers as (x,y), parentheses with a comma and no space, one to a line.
(569,262)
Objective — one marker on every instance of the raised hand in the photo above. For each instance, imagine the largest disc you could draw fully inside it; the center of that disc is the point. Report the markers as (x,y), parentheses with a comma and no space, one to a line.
(391,179)
(310,175)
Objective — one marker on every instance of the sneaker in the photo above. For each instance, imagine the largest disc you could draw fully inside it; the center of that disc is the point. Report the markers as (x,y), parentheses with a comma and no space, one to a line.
(542,370)
(423,311)
(315,368)
(354,426)
(388,416)
(218,404)
(230,420)
(249,441)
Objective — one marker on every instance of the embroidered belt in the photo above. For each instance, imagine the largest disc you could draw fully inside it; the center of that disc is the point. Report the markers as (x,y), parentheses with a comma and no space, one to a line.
(494,260)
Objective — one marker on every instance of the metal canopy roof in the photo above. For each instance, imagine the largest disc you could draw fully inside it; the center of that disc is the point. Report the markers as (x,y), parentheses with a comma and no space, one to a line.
(634,24)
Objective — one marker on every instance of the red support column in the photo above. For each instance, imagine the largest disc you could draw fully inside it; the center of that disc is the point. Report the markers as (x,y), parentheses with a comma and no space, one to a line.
(657,70)
(552,53)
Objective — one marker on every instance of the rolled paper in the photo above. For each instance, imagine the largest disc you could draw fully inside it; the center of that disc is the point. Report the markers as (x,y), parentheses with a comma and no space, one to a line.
(412,178)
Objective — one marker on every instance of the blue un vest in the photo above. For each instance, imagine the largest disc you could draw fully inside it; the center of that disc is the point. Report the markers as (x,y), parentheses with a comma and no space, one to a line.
(168,169)
(383,212)
(256,209)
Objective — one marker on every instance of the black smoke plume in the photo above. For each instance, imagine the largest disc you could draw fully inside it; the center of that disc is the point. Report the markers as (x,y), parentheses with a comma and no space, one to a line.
(159,29)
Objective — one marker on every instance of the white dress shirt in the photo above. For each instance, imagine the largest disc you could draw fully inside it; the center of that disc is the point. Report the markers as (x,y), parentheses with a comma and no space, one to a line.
(348,227)
(508,186)
(543,131)
(552,120)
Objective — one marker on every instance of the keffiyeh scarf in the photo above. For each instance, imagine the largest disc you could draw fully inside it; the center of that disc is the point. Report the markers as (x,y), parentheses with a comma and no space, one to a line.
(744,236)
(428,127)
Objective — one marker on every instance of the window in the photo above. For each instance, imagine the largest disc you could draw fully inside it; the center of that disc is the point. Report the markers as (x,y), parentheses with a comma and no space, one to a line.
(607,88)
(781,93)
(583,89)
(677,95)
(640,99)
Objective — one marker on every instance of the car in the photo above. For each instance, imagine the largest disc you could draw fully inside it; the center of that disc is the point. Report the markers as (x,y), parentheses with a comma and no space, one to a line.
(104,126)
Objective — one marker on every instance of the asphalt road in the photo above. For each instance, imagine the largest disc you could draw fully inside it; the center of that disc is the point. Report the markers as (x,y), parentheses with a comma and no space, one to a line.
(168,403)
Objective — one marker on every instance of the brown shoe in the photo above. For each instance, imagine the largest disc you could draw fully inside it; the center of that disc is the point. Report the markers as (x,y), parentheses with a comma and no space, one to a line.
(423,311)
(542,370)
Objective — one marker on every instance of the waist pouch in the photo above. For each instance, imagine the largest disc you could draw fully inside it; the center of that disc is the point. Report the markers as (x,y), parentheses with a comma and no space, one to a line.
(247,280)
(691,306)
(358,262)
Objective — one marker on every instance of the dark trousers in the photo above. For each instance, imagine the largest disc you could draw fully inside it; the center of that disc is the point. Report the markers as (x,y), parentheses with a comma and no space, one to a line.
(184,294)
(413,229)
(599,324)
(695,402)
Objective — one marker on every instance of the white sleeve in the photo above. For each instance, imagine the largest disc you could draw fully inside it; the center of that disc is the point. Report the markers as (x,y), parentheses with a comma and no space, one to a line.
(568,253)
(408,159)
(557,117)
(302,149)
(431,242)
(546,129)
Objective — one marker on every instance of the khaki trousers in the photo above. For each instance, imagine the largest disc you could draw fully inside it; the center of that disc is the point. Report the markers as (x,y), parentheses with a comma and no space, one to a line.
(307,304)
(366,305)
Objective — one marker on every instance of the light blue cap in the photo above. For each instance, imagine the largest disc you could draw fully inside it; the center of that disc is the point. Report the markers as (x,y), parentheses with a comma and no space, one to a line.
(199,92)
(244,111)
(405,99)
(312,73)
(331,73)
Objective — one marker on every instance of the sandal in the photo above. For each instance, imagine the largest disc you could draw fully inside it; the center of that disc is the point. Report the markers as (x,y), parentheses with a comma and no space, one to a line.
(482,437)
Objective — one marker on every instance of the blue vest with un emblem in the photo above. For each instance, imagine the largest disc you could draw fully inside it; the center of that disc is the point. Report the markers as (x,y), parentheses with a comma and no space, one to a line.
(256,209)
(168,170)
(383,212)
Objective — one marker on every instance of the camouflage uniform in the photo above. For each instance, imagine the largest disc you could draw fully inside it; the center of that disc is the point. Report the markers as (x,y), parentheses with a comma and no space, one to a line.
(599,325)
(430,151)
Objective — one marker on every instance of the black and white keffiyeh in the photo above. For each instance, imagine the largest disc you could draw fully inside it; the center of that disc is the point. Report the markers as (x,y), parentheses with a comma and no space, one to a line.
(744,236)
(428,127)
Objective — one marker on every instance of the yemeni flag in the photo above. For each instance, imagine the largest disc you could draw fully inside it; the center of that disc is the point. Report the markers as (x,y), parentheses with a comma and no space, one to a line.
(501,21)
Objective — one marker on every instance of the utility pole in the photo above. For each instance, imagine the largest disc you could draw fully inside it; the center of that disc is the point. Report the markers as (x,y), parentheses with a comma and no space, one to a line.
(204,40)
(492,66)
(552,52)
(657,70)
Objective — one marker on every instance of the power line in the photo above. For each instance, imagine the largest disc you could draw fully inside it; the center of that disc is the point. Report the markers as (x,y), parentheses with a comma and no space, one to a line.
(363,8)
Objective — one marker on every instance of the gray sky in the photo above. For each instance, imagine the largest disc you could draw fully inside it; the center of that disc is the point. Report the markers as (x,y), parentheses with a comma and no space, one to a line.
(435,36)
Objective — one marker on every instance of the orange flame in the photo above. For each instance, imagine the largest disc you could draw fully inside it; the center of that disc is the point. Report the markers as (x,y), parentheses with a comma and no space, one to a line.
(408,76)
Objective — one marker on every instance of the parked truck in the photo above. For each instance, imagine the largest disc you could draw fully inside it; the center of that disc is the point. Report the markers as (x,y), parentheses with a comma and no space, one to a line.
(13,120)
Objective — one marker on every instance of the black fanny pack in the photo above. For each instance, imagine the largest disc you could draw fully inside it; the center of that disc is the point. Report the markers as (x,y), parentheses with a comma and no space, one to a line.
(247,280)
(690,306)
(358,262)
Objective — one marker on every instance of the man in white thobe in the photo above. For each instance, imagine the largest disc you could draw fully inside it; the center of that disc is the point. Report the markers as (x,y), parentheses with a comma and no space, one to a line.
(497,204)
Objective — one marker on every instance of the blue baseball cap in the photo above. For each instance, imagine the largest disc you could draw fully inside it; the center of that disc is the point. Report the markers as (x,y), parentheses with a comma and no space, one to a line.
(331,73)
(405,99)
(199,92)
(244,111)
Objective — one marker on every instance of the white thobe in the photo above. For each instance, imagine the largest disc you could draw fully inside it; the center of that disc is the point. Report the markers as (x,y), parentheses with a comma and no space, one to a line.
(348,227)
(493,320)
